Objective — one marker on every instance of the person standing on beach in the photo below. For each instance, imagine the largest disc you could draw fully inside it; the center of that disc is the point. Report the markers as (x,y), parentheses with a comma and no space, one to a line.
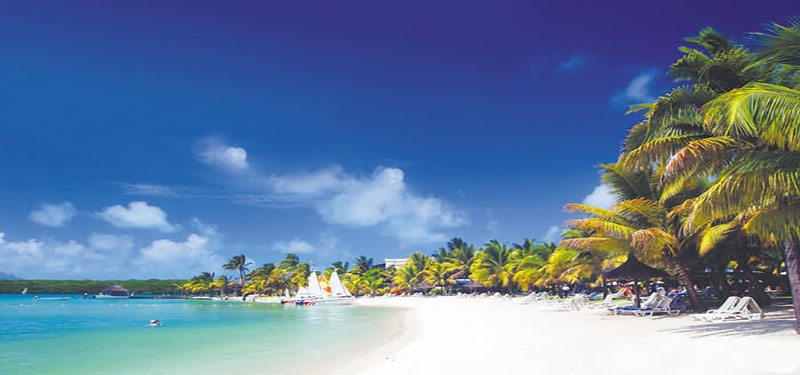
(565,290)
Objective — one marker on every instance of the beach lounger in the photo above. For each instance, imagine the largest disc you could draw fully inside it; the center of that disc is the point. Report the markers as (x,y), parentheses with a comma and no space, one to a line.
(651,302)
(663,307)
(746,308)
(608,302)
(723,309)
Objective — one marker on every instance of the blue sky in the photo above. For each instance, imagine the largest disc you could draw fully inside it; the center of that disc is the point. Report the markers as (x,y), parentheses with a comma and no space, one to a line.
(156,139)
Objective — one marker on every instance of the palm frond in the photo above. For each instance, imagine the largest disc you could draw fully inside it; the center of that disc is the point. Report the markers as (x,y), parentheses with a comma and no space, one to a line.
(767,112)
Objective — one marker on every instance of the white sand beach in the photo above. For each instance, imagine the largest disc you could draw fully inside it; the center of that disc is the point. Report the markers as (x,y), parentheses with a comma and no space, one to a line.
(450,335)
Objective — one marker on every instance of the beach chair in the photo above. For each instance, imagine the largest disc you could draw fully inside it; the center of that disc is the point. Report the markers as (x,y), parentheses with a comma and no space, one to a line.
(746,308)
(651,302)
(608,302)
(723,309)
(664,306)
(581,300)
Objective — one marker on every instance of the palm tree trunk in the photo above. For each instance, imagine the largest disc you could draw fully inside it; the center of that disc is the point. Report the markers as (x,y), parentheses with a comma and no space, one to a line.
(793,271)
(756,289)
(684,277)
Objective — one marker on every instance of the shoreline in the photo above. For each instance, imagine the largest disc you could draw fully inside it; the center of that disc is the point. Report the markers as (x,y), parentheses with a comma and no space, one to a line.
(475,336)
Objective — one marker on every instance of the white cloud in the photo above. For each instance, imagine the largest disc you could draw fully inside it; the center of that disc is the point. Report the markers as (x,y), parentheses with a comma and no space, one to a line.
(35,258)
(638,90)
(384,200)
(553,234)
(296,245)
(309,183)
(53,215)
(381,200)
(168,258)
(137,215)
(223,156)
(102,241)
(600,197)
(105,256)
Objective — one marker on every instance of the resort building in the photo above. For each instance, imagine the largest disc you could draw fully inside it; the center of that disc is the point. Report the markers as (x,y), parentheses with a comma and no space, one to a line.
(394,262)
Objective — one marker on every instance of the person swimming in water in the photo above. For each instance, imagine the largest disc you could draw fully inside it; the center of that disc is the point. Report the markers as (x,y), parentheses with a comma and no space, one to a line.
(154,323)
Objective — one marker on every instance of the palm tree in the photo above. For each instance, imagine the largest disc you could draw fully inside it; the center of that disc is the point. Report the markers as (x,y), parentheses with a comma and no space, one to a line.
(495,266)
(462,258)
(222,283)
(438,274)
(647,221)
(238,263)
(290,261)
(362,265)
(755,152)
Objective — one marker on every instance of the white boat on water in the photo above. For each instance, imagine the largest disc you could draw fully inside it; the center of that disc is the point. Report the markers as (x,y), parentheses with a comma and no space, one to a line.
(333,293)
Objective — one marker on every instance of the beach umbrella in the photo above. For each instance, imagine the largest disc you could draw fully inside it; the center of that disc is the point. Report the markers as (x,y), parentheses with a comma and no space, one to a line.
(635,270)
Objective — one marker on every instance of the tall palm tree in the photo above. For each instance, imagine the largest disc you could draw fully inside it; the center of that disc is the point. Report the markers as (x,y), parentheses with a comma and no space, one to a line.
(647,221)
(437,274)
(238,263)
(755,152)
(362,264)
(222,283)
(495,266)
(462,258)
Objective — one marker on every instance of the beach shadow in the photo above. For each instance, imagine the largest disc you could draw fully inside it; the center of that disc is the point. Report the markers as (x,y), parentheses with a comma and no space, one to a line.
(779,321)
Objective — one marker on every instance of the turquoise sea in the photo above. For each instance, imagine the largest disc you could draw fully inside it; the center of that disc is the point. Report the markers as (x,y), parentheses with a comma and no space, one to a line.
(85,336)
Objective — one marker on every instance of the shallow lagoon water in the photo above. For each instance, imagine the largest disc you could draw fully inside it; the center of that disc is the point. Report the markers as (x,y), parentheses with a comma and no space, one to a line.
(196,337)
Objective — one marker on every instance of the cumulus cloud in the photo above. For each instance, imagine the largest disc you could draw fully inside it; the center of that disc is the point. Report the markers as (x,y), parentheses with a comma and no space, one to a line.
(600,197)
(638,90)
(53,215)
(102,241)
(170,258)
(105,255)
(381,200)
(34,258)
(137,215)
(296,245)
(385,200)
(226,157)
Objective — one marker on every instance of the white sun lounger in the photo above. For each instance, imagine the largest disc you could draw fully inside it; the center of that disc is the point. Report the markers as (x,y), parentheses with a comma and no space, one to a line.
(746,308)
(723,309)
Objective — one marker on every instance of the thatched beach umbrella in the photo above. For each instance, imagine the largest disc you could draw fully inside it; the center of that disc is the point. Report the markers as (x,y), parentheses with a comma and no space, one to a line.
(472,285)
(115,290)
(635,270)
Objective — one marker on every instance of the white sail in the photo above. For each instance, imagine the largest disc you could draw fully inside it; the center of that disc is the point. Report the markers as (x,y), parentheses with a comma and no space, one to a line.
(337,287)
(302,291)
(314,289)
(286,292)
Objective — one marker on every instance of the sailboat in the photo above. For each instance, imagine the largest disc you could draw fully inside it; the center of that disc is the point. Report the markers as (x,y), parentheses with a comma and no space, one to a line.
(339,295)
(321,291)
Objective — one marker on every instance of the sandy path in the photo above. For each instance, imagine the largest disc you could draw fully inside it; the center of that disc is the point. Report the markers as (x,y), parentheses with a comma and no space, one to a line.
(478,336)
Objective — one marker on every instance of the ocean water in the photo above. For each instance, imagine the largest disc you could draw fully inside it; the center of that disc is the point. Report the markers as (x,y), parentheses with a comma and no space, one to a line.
(196,337)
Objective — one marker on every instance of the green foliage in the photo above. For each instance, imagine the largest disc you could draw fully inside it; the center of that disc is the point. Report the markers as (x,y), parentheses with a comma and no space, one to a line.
(140,287)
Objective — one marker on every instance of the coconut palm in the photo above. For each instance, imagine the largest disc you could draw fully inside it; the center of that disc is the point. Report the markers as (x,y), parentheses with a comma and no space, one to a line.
(362,264)
(755,152)
(462,258)
(238,263)
(437,274)
(648,221)
(222,283)
(495,266)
